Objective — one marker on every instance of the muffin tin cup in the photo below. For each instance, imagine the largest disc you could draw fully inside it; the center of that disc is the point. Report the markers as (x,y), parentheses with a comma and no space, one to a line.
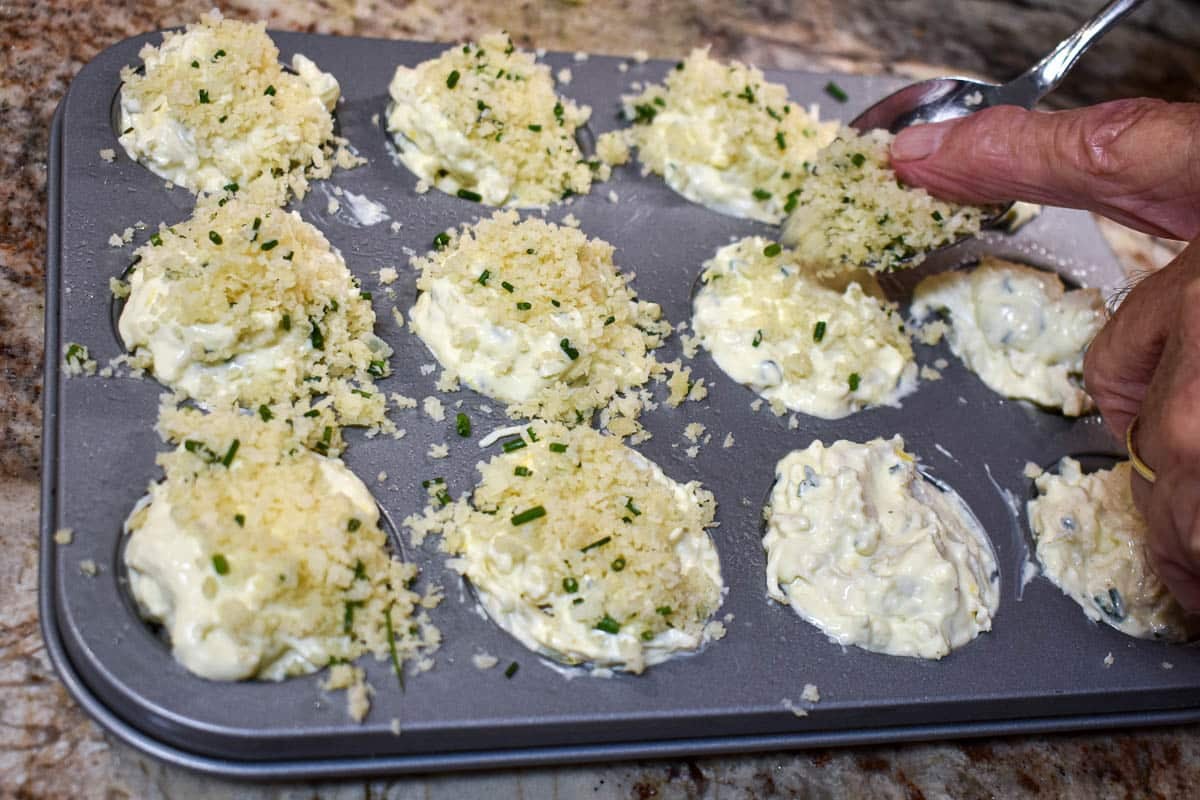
(1041,668)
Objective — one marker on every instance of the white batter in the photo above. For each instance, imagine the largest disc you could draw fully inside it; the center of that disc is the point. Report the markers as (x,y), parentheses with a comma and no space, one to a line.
(863,547)
(1018,329)
(819,346)
(1091,542)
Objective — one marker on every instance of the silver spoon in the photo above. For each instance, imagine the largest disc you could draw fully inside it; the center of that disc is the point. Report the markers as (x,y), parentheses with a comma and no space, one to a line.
(940,99)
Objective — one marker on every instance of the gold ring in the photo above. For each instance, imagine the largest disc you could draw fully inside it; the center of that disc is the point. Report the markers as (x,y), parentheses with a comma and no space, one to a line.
(1139,466)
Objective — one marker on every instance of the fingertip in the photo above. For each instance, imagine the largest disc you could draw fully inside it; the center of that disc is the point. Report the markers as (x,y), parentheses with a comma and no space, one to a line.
(920,141)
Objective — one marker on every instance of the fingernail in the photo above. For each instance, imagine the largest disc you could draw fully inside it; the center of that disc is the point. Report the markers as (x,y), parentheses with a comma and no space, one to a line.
(919,141)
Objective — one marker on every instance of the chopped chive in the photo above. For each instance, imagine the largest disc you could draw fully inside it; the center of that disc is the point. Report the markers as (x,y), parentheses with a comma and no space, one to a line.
(204,96)
(240,519)
(365,295)
(156,239)
(286,322)
(270,245)
(257,223)
(535,128)
(452,79)
(348,615)
(647,635)
(270,91)
(441,240)
(513,444)
(467,194)
(610,320)
(195,64)
(618,563)
(360,572)
(858,159)
(315,336)
(483,277)
(632,508)
(761,194)
(376,368)
(608,625)
(836,92)
(819,331)
(425,484)
(220,565)
(508,287)
(779,140)
(558,447)
(231,187)
(855,380)
(597,543)
(511,670)
(747,94)
(387,618)
(215,237)
(528,515)
(522,472)
(218,54)
(665,611)
(757,340)
(571,352)
(354,524)
(937,216)
(312,413)
(772,250)
(443,497)
(523,306)
(555,303)
(462,424)
(558,112)
(230,453)
(793,199)
(570,585)
(265,413)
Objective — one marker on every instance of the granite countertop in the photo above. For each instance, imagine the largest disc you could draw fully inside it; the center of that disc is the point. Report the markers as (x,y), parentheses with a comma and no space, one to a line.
(49,748)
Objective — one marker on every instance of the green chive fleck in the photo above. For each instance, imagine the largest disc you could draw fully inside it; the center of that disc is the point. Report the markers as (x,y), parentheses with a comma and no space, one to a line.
(570,585)
(270,245)
(270,91)
(354,524)
(597,543)
(265,413)
(156,239)
(528,515)
(858,159)
(204,96)
(779,140)
(452,79)
(836,92)
(215,237)
(508,287)
(513,444)
(618,563)
(772,250)
(819,331)
(240,519)
(230,453)
(757,340)
(441,240)
(467,194)
(512,670)
(535,128)
(608,625)
(220,564)
(462,424)
(483,277)
(855,380)
(522,472)
(761,194)
(558,447)
(571,352)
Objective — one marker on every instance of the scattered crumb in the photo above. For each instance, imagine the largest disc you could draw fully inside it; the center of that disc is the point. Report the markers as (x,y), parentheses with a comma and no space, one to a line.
(1168,665)
(77,360)
(484,660)
(339,191)
(108,154)
(64,536)
(941,363)
(395,720)
(612,196)
(402,401)
(693,451)
(691,345)
(793,422)
(381,477)
(118,288)
(88,567)
(434,408)
(756,404)
(571,221)
(375,118)
(715,630)
(580,56)
(932,332)
(398,316)
(427,369)
(395,226)
(1108,660)
(438,450)
(447,382)
(792,707)
(332,206)
(422,187)
(1032,470)
(929,373)
(728,441)
(810,694)
(641,56)
(564,76)
(388,275)
(623,67)
(358,692)
(693,431)
(115,241)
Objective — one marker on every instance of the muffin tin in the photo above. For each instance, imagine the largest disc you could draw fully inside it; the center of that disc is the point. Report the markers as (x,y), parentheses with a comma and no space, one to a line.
(1041,668)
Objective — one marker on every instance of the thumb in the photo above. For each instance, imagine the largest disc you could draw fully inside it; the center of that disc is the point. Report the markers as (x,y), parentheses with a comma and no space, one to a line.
(1134,161)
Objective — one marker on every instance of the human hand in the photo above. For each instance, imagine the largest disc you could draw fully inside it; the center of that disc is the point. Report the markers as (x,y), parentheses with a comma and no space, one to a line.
(1137,162)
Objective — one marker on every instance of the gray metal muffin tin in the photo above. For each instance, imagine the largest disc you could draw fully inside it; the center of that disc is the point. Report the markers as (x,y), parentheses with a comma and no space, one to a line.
(1040,669)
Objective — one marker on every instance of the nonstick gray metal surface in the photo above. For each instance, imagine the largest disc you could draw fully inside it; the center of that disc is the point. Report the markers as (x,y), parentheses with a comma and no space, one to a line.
(1040,668)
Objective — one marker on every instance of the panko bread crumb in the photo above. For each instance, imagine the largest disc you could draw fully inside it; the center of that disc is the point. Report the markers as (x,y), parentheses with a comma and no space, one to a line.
(852,210)
(536,315)
(214,108)
(826,346)
(263,559)
(1091,543)
(483,122)
(584,550)
(246,303)
(723,136)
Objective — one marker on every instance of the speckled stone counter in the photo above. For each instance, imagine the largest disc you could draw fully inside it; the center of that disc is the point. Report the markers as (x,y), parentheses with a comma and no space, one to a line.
(49,748)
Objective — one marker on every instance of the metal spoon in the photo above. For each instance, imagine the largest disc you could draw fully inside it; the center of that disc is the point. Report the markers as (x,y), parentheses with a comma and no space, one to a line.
(940,99)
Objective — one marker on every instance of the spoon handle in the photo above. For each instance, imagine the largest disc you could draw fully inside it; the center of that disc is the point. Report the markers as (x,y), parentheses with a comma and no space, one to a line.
(1042,78)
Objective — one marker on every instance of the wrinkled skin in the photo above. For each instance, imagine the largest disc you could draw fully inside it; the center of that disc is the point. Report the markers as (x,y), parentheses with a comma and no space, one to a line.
(1136,162)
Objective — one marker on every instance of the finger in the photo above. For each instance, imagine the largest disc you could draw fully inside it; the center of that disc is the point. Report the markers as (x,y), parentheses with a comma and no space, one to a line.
(1121,361)
(1174,537)
(1135,161)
